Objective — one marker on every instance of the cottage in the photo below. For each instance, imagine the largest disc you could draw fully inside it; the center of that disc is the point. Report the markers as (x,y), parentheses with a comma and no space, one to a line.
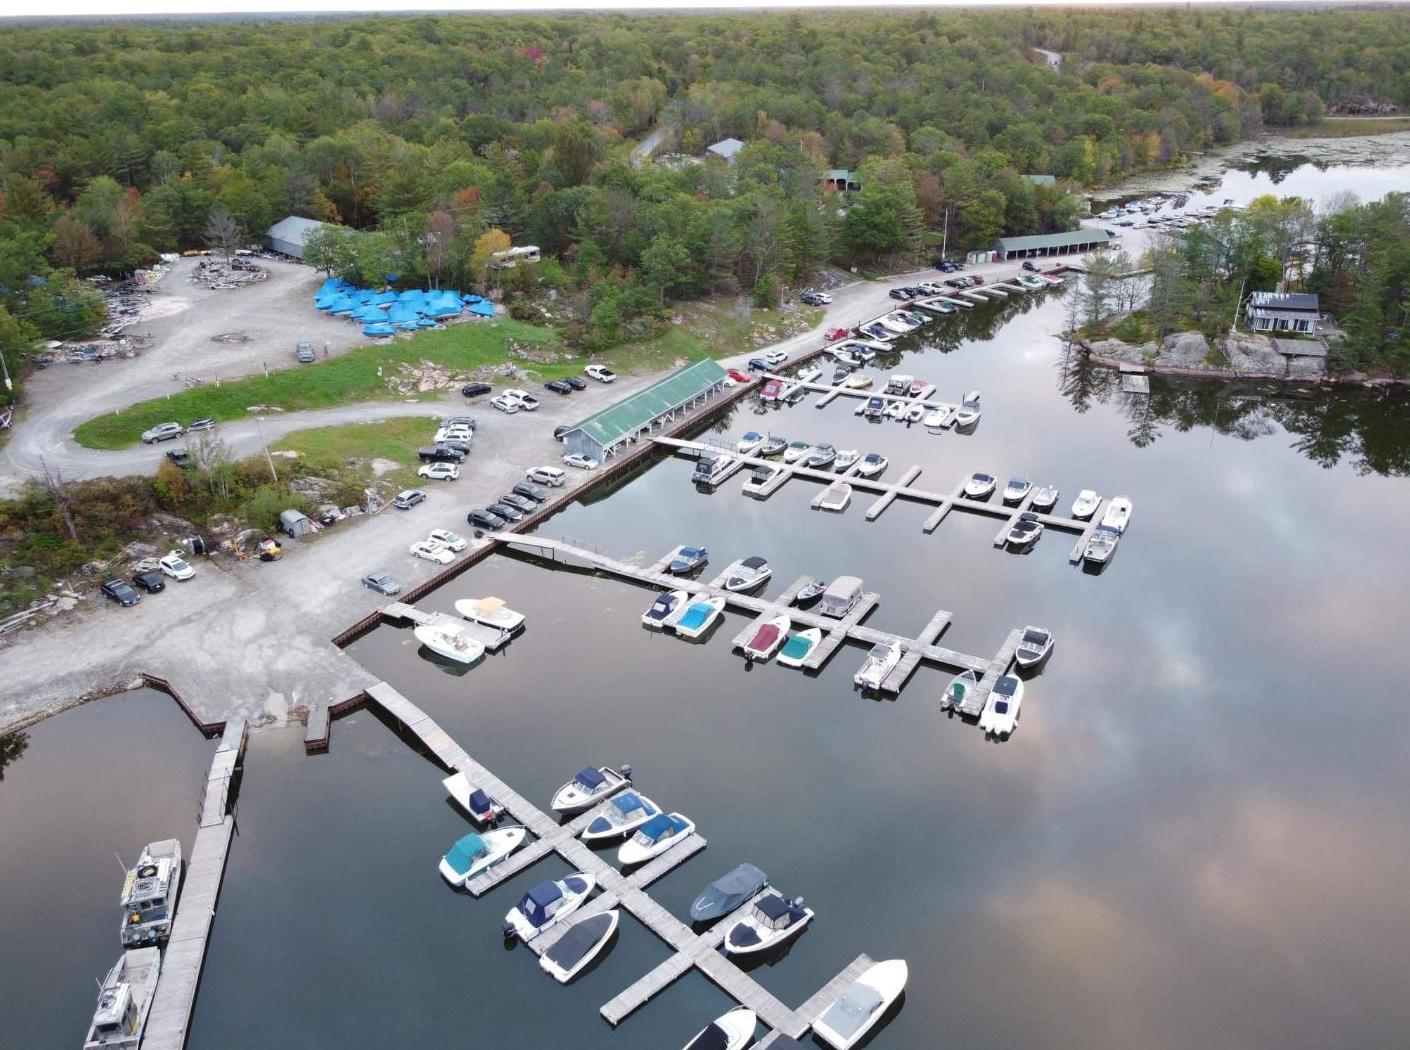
(1283,312)
(726,148)
(842,180)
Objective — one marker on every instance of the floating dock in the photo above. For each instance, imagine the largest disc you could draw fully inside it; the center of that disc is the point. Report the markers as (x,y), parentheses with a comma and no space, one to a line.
(491,638)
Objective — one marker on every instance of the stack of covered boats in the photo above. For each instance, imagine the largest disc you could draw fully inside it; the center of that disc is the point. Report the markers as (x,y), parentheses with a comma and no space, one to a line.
(387,312)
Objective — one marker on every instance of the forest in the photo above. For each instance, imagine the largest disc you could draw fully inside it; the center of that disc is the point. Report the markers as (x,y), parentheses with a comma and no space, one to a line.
(440,137)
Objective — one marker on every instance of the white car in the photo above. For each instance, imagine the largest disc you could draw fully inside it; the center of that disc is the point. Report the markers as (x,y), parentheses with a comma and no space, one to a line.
(581,462)
(601,373)
(455,433)
(550,476)
(432,551)
(776,357)
(506,404)
(526,400)
(452,541)
(175,566)
(439,472)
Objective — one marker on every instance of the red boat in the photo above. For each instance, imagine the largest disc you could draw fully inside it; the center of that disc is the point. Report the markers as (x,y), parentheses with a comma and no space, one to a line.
(771,390)
(767,638)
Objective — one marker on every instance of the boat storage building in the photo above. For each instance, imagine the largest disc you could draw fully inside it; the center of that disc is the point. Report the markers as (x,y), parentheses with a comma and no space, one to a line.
(612,430)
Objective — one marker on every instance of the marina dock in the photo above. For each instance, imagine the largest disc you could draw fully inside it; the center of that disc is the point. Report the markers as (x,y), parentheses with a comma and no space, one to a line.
(489,637)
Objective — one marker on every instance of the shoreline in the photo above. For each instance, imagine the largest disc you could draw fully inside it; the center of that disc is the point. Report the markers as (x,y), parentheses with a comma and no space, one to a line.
(1343,379)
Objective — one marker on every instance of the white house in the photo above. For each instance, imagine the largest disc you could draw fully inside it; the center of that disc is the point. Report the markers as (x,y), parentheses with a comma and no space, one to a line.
(1282,312)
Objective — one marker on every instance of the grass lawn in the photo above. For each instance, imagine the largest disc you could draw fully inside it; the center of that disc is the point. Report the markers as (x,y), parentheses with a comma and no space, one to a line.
(711,330)
(391,439)
(352,377)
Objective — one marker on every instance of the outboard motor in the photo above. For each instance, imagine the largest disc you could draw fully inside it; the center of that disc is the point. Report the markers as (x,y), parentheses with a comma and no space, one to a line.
(626,771)
(510,934)
(796,904)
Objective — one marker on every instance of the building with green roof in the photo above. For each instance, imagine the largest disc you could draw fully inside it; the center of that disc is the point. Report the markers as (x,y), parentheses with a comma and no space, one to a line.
(610,431)
(1083,240)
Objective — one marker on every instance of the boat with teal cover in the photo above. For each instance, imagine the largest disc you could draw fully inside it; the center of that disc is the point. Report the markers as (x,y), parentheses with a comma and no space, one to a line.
(798,646)
(473,853)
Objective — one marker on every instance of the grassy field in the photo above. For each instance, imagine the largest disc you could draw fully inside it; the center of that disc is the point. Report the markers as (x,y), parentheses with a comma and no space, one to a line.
(1348,127)
(711,330)
(395,440)
(358,375)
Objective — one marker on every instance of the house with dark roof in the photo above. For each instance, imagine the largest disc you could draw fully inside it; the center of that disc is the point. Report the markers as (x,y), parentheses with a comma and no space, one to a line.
(1283,312)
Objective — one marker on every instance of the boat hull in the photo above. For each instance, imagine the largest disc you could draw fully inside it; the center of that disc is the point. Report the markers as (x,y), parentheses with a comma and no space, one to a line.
(888,980)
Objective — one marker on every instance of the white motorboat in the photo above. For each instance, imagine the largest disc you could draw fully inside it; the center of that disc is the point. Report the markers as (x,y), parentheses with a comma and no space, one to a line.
(1033,647)
(959,690)
(773,446)
(968,413)
(667,606)
(124,999)
(893,322)
(1117,514)
(655,837)
(491,612)
(449,641)
(915,412)
(591,784)
(872,465)
(473,853)
(1102,545)
(899,384)
(580,944)
(796,450)
(1045,499)
(1025,531)
(846,457)
(938,417)
(880,662)
(921,388)
(979,486)
(771,921)
(767,638)
(796,650)
(698,616)
(836,496)
(1016,489)
(821,458)
(748,574)
(622,815)
(809,374)
(895,410)
(857,381)
(1085,505)
(856,1012)
(1000,714)
(750,443)
(759,480)
(149,894)
(546,905)
(731,1031)
(711,470)
(482,809)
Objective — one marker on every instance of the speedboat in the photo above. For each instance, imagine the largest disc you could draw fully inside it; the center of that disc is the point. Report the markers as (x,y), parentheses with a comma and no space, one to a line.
(810,592)
(959,689)
(899,384)
(767,638)
(688,559)
(1033,647)
(770,922)
(808,374)
(621,815)
(896,410)
(855,1013)
(822,457)
(750,442)
(772,446)
(921,388)
(580,944)
(1016,489)
(1102,545)
(473,853)
(449,641)
(590,784)
(124,1000)
(845,458)
(728,892)
(980,486)
(710,470)
(858,381)
(698,617)
(915,317)
(863,353)
(482,809)
(876,331)
(666,605)
(915,412)
(968,412)
(1000,713)
(937,417)
(771,390)
(1025,530)
(880,662)
(872,465)
(841,374)
(546,905)
(1045,499)
(898,322)
(748,574)
(491,612)
(875,408)
(796,650)
(759,480)
(149,893)
(795,451)
(1117,513)
(1085,505)
(836,496)
(732,1031)
(655,837)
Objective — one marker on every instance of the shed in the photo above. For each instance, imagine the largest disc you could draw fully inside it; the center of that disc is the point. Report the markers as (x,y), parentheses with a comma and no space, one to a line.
(288,236)
(726,148)
(1084,240)
(841,595)
(294,523)
(614,428)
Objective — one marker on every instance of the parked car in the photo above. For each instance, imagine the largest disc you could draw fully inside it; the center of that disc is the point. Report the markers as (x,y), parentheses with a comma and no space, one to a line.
(304,352)
(958,282)
(975,279)
(530,491)
(475,389)
(526,400)
(809,298)
(468,422)
(758,364)
(551,476)
(151,582)
(507,405)
(822,297)
(454,432)
(832,335)
(776,357)
(121,593)
(558,386)
(439,472)
(738,376)
(201,424)
(440,453)
(162,432)
(505,511)
(408,498)
(180,456)
(518,502)
(575,383)
(430,550)
(601,373)
(174,565)
(381,583)
(898,293)
(581,462)
(450,540)
(483,519)
(1030,266)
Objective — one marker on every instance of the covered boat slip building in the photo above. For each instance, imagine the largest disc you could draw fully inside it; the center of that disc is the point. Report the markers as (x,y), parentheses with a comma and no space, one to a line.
(1044,244)
(612,430)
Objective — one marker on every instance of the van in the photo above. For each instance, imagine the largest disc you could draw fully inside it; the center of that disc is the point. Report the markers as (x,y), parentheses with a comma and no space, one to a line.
(548,476)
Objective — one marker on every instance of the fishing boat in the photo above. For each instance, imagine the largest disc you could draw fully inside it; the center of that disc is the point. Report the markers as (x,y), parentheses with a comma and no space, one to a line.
(732,1031)
(474,853)
(1016,489)
(937,417)
(873,465)
(845,458)
(622,815)
(1025,531)
(1102,545)
(1045,499)
(899,384)
(772,446)
(698,617)
(149,892)
(979,486)
(482,809)
(688,559)
(1117,514)
(667,605)
(590,784)
(1000,714)
(583,942)
(822,457)
(546,905)
(766,640)
(880,662)
(748,574)
(655,837)
(796,450)
(915,412)
(959,690)
(1033,647)
(799,646)
(836,497)
(750,442)
(728,892)
(810,592)
(124,999)
(1085,505)
(447,640)
(896,410)
(968,413)
(856,1012)
(921,388)
(771,921)
(491,612)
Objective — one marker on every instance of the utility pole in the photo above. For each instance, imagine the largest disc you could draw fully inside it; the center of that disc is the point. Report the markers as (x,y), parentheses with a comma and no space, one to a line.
(259,424)
(945,238)
(1234,321)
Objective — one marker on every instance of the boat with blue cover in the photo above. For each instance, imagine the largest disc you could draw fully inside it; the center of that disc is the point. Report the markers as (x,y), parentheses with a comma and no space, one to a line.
(688,559)
(621,816)
(580,945)
(590,784)
(546,905)
(482,808)
(655,837)
(698,617)
(728,892)
(771,921)
(474,853)
(668,605)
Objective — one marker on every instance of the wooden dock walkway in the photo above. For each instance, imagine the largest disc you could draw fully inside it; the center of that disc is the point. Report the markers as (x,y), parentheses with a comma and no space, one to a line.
(915,653)
(889,496)
(780,606)
(830,392)
(1001,538)
(835,632)
(1089,527)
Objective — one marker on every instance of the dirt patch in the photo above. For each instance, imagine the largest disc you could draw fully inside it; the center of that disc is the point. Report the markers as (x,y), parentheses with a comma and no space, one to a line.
(230,337)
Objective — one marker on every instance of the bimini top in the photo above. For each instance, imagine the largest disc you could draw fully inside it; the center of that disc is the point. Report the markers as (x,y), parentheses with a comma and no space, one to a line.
(773,907)
(690,552)
(465,852)
(590,778)
(535,903)
(753,562)
(844,587)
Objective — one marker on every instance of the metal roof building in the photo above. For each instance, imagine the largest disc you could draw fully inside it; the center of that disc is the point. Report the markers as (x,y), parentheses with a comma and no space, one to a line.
(726,148)
(610,431)
(1083,240)
(287,236)
(1283,312)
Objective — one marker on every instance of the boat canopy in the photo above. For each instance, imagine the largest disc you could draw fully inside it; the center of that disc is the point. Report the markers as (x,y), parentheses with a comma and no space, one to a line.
(797,646)
(774,911)
(713,1038)
(1032,637)
(536,902)
(744,879)
(1006,685)
(465,852)
(659,827)
(590,778)
(569,949)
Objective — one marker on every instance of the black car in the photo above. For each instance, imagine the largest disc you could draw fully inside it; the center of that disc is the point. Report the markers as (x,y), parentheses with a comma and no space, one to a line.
(121,593)
(475,389)
(518,502)
(440,453)
(559,431)
(575,383)
(460,421)
(505,511)
(485,520)
(463,447)
(151,582)
(1030,266)
(530,491)
(180,456)
(899,293)
(558,387)
(957,282)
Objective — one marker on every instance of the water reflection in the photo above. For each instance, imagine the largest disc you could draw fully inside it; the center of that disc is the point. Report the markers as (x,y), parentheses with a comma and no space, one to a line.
(12,746)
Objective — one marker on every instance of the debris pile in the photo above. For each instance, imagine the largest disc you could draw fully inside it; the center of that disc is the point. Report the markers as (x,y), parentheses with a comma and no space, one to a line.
(220,273)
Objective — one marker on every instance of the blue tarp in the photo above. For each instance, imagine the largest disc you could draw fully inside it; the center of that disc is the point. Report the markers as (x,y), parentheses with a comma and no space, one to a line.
(628,802)
(534,903)
(482,309)
(656,827)
(382,328)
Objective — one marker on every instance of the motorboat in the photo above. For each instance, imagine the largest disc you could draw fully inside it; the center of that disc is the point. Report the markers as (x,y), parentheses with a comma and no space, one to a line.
(899,384)
(771,390)
(748,574)
(750,442)
(482,809)
(546,905)
(959,690)
(808,374)
(655,837)
(845,458)
(710,470)
(688,559)
(473,853)
(980,486)
(667,605)
(124,1000)
(772,446)
(875,408)
(896,410)
(447,640)
(1117,514)
(622,815)
(836,497)
(844,356)
(915,412)
(699,616)
(590,784)
(858,381)
(921,388)
(759,480)
(1102,545)
(1016,489)
(841,597)
(731,1031)
(877,331)
(1085,505)
(1026,530)
(728,892)
(841,374)
(149,892)
(771,921)
(580,944)
(822,457)
(873,465)
(864,354)
(767,638)
(490,612)
(880,662)
(1045,499)
(799,647)
(897,322)
(1000,714)
(796,450)
(1031,281)
(915,318)
(858,1009)
(937,417)
(968,413)
(1033,647)
(810,592)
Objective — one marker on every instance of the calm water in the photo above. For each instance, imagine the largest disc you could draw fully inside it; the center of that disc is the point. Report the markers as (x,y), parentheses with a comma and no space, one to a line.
(1195,838)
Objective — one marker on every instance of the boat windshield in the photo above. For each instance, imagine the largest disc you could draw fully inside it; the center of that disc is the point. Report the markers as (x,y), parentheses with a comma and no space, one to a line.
(1005,686)
(1001,707)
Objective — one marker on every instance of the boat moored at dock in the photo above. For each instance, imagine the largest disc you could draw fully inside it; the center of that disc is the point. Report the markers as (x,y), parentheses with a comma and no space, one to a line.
(880,662)
(667,606)
(621,816)
(1101,546)
(980,486)
(1117,514)
(856,1012)
(728,892)
(655,837)
(766,640)
(482,809)
(836,496)
(583,942)
(687,559)
(473,853)
(1085,505)
(959,690)
(732,1031)
(447,640)
(124,1000)
(589,785)
(491,612)
(1033,647)
(699,616)
(798,647)
(149,893)
(748,574)
(546,905)
(771,921)
(1000,715)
